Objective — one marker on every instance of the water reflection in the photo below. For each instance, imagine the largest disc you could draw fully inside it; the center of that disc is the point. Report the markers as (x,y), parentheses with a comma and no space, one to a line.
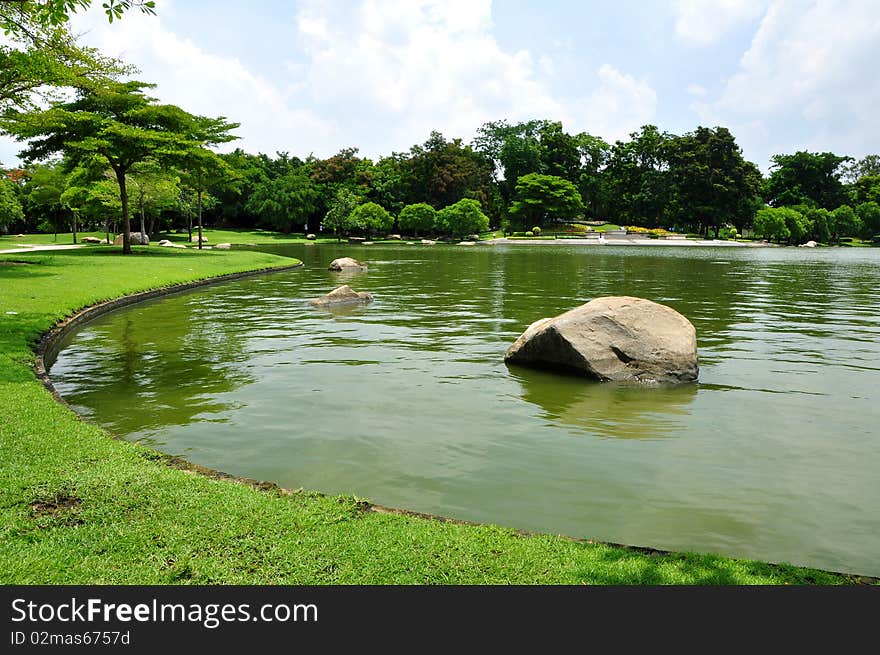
(605,409)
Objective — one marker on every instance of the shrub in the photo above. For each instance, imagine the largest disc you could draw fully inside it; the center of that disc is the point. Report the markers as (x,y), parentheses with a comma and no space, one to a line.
(536,231)
(530,233)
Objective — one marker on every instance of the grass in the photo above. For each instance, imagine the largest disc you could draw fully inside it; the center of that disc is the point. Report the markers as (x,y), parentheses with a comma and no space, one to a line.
(79,507)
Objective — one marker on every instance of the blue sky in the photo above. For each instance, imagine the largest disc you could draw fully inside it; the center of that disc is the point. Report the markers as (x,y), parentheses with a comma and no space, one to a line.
(317,76)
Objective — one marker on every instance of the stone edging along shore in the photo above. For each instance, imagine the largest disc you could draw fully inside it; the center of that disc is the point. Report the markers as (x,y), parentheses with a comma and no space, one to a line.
(49,345)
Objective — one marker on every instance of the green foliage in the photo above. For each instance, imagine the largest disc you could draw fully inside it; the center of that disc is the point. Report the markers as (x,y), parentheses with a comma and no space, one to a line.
(797,224)
(711,183)
(806,178)
(285,202)
(866,189)
(770,223)
(372,217)
(542,198)
(869,215)
(339,215)
(529,233)
(844,223)
(536,231)
(819,220)
(420,217)
(462,218)
(10,207)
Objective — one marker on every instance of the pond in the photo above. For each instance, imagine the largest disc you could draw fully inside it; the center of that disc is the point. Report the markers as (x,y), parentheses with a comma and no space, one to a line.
(774,454)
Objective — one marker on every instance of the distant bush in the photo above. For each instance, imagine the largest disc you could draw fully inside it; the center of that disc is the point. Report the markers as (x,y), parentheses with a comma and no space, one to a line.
(536,231)
(530,233)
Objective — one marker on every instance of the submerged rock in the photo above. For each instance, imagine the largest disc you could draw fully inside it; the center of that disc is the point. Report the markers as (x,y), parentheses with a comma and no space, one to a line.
(616,338)
(342,296)
(344,263)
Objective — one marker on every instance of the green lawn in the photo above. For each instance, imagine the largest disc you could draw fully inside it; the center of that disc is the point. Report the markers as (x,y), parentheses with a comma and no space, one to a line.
(80,507)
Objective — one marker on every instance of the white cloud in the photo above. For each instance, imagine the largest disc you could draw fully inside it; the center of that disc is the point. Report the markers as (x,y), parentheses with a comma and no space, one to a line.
(620,105)
(207,83)
(704,22)
(697,90)
(811,69)
(409,67)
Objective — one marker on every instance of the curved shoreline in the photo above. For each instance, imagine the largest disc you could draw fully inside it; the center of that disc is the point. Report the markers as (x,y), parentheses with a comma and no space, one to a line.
(50,342)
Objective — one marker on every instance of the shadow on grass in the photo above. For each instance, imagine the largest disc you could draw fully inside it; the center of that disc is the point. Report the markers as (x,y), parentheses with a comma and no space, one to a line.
(624,565)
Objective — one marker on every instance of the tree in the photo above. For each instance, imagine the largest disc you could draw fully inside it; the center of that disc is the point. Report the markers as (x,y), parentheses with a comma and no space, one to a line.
(592,183)
(42,195)
(440,172)
(10,207)
(154,189)
(339,215)
(770,224)
(869,215)
(712,183)
(41,55)
(513,150)
(92,195)
(116,123)
(638,179)
(200,163)
(844,222)
(371,217)
(819,221)
(809,178)
(463,218)
(420,217)
(286,201)
(867,166)
(48,13)
(866,189)
(797,224)
(540,198)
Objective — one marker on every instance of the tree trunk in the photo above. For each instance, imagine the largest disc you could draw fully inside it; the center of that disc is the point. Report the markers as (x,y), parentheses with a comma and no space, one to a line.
(126,223)
(143,222)
(74,227)
(152,229)
(200,209)
(107,230)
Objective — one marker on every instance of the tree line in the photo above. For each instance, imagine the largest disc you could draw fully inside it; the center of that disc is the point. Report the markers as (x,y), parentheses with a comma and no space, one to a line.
(114,152)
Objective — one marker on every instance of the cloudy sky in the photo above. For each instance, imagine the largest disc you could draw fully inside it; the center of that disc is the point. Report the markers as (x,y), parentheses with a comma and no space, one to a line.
(315,76)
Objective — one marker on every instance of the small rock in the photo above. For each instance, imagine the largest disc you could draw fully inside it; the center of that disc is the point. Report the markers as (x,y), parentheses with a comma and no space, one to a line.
(473,237)
(223,246)
(428,242)
(808,244)
(165,243)
(346,263)
(342,295)
(93,240)
(195,238)
(467,243)
(393,237)
(311,237)
(356,240)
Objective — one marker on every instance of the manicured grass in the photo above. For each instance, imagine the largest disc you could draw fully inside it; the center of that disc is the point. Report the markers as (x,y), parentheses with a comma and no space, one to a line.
(61,239)
(79,507)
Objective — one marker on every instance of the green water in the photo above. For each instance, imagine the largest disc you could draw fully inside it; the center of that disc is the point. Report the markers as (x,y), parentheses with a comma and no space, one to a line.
(773,455)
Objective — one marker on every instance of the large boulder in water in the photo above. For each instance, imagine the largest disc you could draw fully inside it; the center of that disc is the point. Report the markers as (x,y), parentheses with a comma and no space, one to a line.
(616,338)
(137,239)
(341,296)
(347,263)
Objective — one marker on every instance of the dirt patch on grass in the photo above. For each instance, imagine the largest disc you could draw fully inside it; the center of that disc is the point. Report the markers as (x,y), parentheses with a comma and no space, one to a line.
(60,508)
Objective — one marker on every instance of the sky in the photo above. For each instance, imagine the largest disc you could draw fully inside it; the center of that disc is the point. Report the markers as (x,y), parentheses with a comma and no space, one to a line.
(315,76)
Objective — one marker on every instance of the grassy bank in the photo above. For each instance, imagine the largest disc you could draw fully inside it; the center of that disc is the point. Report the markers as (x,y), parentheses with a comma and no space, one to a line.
(80,507)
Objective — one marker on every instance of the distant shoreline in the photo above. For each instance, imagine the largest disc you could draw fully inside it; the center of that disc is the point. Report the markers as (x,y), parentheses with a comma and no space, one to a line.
(636,241)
